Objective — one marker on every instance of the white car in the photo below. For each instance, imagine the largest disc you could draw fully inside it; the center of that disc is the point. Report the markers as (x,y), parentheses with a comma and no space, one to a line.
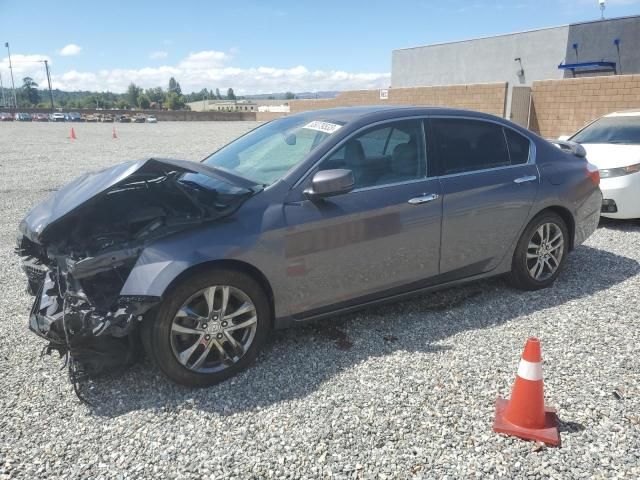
(612,143)
(152,119)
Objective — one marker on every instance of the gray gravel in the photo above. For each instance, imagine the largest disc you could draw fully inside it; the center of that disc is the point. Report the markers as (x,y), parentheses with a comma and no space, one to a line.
(400,391)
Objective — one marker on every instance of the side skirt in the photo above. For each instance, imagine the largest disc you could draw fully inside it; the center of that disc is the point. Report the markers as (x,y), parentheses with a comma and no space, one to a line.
(437,283)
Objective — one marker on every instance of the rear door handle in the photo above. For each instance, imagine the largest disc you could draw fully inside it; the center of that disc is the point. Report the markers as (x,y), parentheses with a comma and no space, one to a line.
(527,179)
(424,199)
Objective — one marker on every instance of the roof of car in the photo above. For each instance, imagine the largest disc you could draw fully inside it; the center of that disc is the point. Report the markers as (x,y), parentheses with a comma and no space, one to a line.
(624,113)
(350,114)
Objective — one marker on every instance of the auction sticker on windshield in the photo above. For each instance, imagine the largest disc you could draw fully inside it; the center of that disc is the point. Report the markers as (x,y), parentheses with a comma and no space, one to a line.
(320,126)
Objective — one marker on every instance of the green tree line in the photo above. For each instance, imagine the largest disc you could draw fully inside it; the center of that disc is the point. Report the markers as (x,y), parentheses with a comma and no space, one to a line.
(171,98)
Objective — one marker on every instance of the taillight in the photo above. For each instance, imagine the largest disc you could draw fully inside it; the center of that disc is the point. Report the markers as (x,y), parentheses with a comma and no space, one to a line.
(593,173)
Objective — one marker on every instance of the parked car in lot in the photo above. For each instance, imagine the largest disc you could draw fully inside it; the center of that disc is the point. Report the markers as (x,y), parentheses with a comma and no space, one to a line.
(23,117)
(40,117)
(139,119)
(612,143)
(73,117)
(90,118)
(305,217)
(57,117)
(152,119)
(6,117)
(123,118)
(107,117)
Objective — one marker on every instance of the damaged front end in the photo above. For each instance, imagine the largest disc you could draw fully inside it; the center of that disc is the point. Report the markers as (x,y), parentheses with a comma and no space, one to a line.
(96,333)
(79,246)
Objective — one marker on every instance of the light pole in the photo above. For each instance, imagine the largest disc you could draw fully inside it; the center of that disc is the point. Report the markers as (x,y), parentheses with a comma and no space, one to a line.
(13,86)
(46,67)
(4,101)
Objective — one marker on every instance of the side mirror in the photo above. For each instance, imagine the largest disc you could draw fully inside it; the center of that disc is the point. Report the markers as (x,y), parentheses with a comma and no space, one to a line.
(327,183)
(564,138)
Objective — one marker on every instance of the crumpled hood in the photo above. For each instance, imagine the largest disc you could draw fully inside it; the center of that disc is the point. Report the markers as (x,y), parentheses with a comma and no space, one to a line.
(65,201)
(611,155)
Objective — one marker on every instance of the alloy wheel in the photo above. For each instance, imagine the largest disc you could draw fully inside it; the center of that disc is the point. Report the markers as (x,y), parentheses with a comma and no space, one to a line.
(213,329)
(545,251)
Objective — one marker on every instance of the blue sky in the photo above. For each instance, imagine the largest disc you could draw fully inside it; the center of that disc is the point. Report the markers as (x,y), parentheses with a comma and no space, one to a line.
(253,46)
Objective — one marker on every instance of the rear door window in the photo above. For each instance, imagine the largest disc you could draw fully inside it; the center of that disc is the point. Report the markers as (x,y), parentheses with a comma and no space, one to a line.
(469,145)
(518,147)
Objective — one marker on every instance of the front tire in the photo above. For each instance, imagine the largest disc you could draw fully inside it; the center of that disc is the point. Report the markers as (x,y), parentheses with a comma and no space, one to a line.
(541,252)
(209,328)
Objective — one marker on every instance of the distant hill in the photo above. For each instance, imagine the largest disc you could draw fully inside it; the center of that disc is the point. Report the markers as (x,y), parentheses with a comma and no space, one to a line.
(300,95)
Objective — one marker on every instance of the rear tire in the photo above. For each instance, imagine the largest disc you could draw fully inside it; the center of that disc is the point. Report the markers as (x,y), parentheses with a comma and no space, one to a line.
(197,338)
(540,253)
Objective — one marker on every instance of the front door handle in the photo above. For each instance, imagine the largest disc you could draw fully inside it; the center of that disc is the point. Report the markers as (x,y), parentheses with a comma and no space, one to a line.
(527,179)
(424,199)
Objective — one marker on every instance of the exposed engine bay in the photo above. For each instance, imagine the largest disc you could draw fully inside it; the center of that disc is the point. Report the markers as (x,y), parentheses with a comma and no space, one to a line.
(79,246)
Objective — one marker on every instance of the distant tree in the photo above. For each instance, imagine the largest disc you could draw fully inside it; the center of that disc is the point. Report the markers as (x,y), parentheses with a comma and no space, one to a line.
(30,91)
(91,101)
(143,101)
(230,94)
(204,94)
(133,92)
(122,104)
(218,96)
(271,97)
(289,96)
(174,86)
(155,94)
(173,101)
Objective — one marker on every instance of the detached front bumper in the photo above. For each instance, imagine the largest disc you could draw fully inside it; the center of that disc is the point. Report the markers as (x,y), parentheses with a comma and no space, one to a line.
(45,318)
(67,318)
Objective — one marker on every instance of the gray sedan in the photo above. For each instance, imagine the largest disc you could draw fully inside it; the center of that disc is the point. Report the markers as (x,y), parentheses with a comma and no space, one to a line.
(306,217)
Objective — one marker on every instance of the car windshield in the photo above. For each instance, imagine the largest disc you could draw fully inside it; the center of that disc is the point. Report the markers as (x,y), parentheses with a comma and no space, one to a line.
(622,129)
(265,154)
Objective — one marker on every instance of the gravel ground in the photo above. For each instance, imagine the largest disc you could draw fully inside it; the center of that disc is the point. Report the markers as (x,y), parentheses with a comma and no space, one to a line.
(406,390)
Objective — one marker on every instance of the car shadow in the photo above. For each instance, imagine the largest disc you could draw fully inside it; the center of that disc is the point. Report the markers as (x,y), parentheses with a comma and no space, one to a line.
(619,225)
(319,351)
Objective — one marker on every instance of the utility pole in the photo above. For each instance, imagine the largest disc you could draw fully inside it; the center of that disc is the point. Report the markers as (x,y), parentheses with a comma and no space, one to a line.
(46,67)
(4,101)
(13,85)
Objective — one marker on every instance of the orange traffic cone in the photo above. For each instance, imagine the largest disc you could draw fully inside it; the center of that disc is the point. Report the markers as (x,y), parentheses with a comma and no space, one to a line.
(72,136)
(113,133)
(525,415)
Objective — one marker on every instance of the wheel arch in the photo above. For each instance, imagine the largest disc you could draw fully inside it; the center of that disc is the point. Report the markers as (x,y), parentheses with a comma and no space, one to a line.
(568,218)
(227,264)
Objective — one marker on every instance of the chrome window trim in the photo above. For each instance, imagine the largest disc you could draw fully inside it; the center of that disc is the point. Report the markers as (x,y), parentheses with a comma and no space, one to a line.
(340,144)
(506,167)
(422,118)
(394,184)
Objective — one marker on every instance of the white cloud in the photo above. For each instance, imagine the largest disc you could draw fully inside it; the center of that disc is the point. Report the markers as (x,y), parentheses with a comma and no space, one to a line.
(207,59)
(158,54)
(24,66)
(210,69)
(70,50)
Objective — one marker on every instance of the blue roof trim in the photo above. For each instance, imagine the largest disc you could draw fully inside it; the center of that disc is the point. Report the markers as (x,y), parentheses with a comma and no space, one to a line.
(578,66)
